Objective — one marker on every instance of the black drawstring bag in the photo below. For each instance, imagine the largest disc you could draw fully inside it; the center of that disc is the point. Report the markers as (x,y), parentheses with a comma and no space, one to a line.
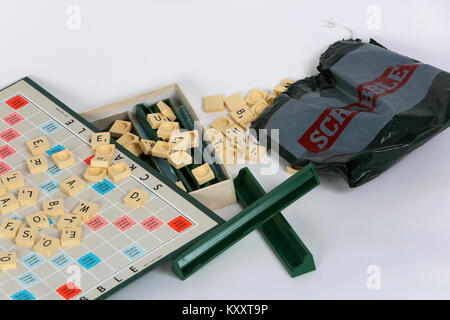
(366,109)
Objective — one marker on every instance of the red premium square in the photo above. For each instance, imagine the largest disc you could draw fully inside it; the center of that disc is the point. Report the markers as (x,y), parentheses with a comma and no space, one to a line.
(17,102)
(68,291)
(88,160)
(179,224)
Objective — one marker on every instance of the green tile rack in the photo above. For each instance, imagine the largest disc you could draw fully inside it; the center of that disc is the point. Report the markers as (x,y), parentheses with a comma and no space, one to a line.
(278,233)
(253,217)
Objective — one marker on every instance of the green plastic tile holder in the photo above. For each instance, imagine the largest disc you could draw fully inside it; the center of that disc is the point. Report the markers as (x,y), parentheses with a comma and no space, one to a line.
(278,233)
(253,217)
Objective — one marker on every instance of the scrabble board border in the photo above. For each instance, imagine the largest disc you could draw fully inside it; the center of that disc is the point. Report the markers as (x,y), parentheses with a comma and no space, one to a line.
(145,166)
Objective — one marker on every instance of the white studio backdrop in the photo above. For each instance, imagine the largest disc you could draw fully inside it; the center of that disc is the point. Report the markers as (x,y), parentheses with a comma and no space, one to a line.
(387,239)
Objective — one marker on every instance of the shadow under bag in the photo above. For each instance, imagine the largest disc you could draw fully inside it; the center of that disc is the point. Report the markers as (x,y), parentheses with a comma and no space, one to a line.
(367,108)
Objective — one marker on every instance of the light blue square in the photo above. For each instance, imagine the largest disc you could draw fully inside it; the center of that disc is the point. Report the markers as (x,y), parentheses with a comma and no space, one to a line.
(50,127)
(49,186)
(32,260)
(103,187)
(133,252)
(28,279)
(55,149)
(53,170)
(23,295)
(89,261)
(60,260)
(151,195)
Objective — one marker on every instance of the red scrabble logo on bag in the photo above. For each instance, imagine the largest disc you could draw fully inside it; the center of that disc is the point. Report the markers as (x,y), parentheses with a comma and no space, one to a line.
(331,123)
(17,102)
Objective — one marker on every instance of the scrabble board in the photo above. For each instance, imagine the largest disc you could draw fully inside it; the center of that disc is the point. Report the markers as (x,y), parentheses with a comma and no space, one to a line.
(119,243)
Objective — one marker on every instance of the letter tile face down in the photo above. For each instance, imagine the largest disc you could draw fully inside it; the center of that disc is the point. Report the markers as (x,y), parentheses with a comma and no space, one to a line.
(63,159)
(235,102)
(119,128)
(166,111)
(95,174)
(213,103)
(203,174)
(119,171)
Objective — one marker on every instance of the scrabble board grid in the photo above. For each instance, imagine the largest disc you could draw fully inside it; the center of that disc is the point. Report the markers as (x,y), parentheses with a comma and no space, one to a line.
(107,238)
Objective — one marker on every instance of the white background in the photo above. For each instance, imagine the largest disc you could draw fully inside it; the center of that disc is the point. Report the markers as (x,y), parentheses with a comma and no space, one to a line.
(399,222)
